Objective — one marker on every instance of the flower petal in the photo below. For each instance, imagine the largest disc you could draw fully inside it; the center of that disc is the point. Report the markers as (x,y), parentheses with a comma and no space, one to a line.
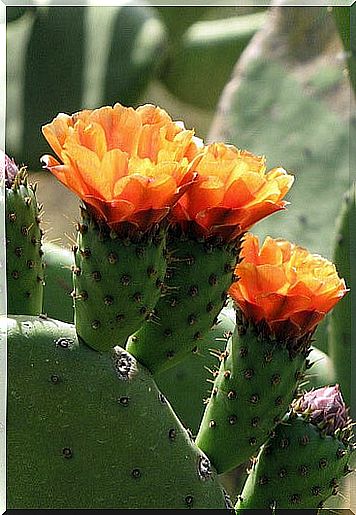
(290,289)
(136,162)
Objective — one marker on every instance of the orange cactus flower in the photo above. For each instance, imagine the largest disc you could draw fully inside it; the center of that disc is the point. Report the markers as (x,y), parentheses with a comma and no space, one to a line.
(232,193)
(127,165)
(284,287)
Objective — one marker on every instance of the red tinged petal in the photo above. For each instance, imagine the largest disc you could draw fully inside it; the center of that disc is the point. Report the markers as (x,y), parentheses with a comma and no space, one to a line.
(112,212)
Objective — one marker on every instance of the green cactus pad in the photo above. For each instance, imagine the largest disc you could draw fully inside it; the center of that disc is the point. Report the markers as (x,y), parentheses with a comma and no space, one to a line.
(57,299)
(256,113)
(299,468)
(91,430)
(198,275)
(117,283)
(252,390)
(198,61)
(138,43)
(24,265)
(339,340)
(192,375)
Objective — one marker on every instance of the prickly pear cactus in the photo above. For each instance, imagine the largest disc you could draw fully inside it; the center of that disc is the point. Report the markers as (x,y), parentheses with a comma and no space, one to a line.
(340,340)
(302,464)
(91,430)
(24,264)
(105,314)
(199,274)
(194,373)
(253,388)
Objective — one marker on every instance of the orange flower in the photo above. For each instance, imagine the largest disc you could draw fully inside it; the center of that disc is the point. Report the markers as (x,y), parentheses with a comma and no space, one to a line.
(128,165)
(232,193)
(284,286)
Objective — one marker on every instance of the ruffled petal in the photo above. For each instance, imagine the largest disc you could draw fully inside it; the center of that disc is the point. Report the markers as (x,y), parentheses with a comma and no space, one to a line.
(136,162)
(290,289)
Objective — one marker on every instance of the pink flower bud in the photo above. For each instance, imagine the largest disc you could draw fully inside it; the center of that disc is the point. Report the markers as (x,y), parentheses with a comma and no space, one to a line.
(8,169)
(325,408)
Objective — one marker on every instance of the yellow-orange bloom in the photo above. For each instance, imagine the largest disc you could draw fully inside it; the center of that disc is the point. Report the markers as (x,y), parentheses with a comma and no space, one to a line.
(233,191)
(128,165)
(284,286)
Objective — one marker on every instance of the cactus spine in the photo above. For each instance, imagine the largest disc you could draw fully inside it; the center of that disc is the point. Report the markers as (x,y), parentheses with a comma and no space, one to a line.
(24,264)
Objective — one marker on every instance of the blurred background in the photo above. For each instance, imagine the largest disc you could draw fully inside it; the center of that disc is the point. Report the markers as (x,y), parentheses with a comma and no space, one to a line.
(271,80)
(276,81)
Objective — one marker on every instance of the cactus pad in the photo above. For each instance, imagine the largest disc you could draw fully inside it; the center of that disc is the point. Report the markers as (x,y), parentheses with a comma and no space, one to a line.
(299,468)
(58,278)
(91,430)
(339,340)
(252,390)
(23,247)
(198,275)
(256,112)
(116,283)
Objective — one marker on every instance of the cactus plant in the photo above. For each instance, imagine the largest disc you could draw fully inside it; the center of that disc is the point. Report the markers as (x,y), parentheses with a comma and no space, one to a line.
(248,397)
(192,374)
(123,221)
(256,112)
(199,275)
(340,349)
(102,261)
(281,294)
(24,264)
(92,430)
(302,464)
(164,219)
